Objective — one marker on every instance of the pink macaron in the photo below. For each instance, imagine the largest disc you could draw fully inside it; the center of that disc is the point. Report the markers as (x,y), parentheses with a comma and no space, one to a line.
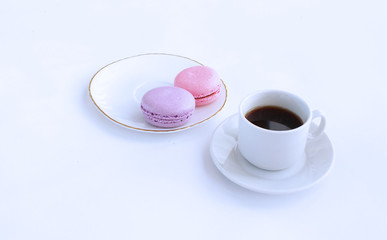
(167,106)
(202,82)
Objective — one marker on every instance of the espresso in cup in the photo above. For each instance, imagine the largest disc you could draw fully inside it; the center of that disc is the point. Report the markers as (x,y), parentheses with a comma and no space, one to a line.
(274,118)
(274,127)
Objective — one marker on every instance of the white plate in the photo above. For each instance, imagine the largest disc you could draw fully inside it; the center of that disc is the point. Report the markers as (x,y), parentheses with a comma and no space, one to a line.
(117,89)
(304,174)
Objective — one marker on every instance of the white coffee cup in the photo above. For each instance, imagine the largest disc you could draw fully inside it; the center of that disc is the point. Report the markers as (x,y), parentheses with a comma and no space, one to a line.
(273,149)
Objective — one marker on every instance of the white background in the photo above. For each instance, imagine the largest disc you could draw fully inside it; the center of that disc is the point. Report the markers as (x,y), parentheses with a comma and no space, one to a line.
(67,172)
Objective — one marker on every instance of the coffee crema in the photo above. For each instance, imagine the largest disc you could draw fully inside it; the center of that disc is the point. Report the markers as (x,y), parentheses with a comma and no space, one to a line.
(274,118)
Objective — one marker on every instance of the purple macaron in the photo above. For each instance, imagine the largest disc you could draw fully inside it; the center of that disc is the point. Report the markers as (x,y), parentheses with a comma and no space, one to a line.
(167,106)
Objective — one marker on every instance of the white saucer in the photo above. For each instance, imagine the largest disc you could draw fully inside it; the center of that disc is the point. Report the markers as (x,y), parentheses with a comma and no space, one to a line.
(315,166)
(117,89)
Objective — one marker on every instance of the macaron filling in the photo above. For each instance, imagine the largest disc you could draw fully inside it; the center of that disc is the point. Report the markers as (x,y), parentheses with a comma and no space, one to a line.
(166,118)
(217,91)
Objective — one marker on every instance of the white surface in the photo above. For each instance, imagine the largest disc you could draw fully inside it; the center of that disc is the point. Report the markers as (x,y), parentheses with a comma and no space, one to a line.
(307,171)
(67,172)
(117,89)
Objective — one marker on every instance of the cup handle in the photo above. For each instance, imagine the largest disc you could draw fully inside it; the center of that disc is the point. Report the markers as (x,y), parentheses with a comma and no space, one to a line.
(320,129)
